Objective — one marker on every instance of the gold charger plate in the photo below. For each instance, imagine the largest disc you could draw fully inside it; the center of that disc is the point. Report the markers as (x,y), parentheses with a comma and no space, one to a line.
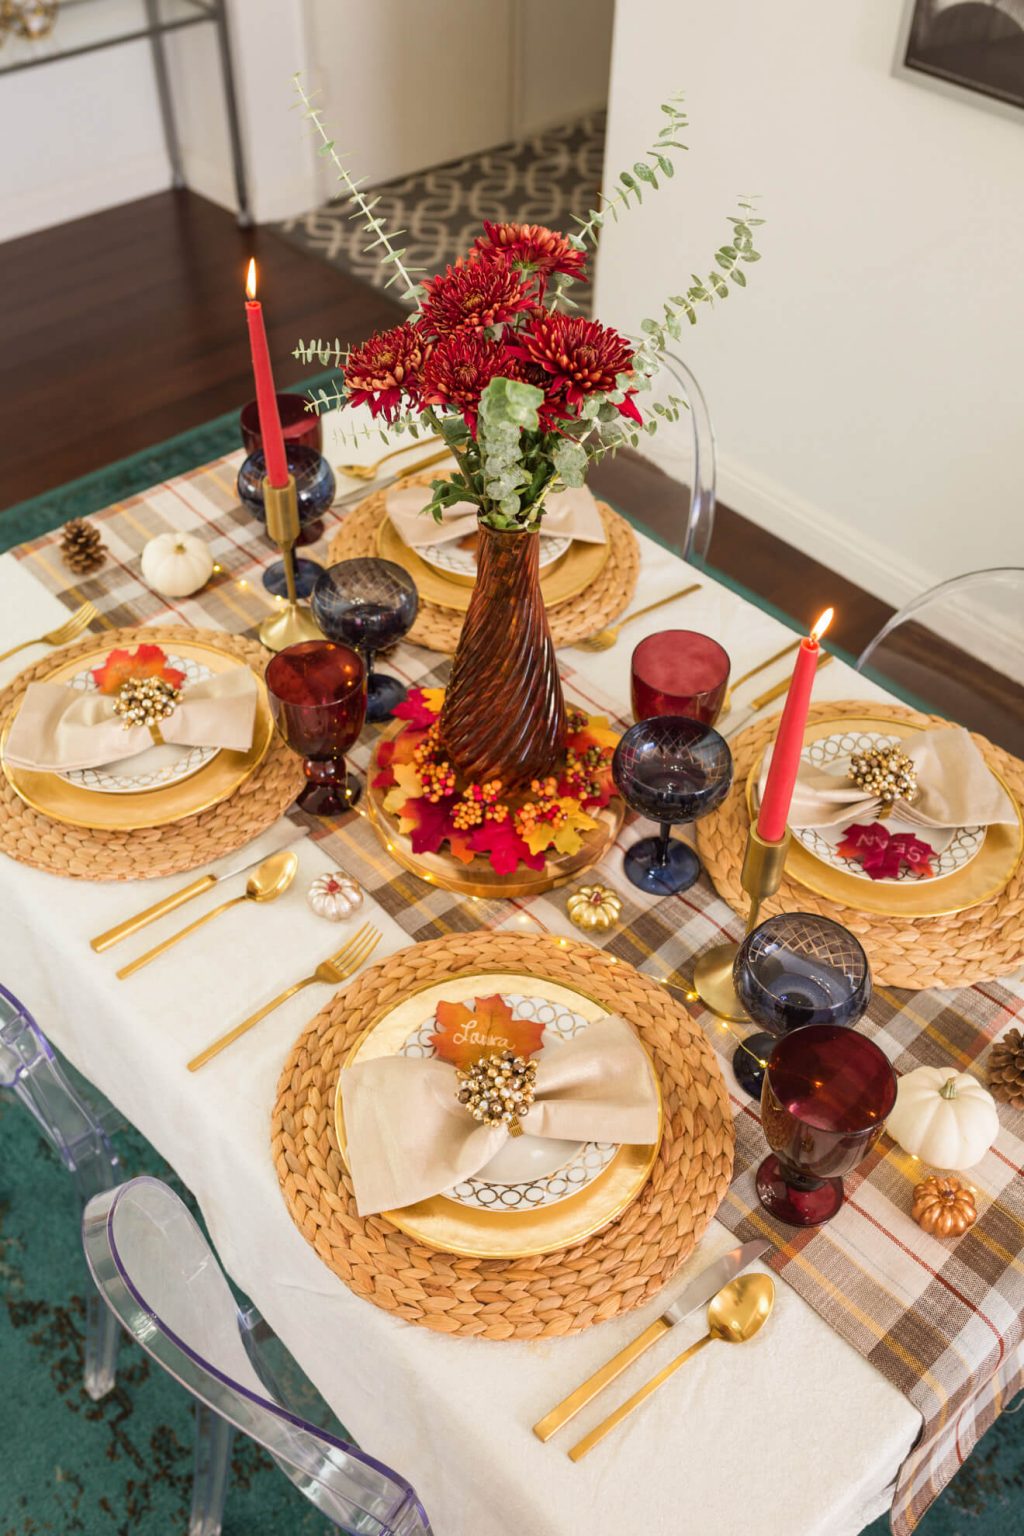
(988,873)
(60,801)
(451,1227)
(567,577)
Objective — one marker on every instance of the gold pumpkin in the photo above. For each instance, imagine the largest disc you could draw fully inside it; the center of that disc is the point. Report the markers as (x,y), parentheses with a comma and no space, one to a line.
(944,1207)
(594,907)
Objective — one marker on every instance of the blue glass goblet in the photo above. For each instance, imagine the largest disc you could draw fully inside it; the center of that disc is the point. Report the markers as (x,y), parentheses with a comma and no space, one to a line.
(368,604)
(795,969)
(314,490)
(673,770)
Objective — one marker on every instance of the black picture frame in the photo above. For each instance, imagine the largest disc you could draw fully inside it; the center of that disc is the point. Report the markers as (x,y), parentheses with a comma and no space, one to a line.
(971,49)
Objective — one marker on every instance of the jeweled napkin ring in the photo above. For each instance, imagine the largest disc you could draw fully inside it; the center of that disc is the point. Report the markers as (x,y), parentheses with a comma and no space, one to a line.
(146,701)
(886,772)
(498,1089)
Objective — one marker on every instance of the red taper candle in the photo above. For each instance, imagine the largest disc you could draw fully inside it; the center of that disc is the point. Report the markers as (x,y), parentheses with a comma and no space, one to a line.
(266,396)
(789,743)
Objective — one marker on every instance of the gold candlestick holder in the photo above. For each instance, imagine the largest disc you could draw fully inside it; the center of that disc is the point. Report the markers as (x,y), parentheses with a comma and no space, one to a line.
(295,621)
(761,876)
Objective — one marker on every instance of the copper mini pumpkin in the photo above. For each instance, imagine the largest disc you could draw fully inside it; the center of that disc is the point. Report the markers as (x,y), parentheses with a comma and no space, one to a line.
(944,1207)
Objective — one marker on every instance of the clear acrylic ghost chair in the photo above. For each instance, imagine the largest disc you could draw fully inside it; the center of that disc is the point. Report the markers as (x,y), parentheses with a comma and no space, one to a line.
(958,650)
(30,1070)
(667,483)
(158,1274)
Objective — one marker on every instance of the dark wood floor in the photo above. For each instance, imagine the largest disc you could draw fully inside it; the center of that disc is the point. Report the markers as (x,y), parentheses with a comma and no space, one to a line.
(127,327)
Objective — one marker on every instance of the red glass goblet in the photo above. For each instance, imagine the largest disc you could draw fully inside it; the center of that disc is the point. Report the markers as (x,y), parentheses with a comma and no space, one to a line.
(679,672)
(318,697)
(827,1093)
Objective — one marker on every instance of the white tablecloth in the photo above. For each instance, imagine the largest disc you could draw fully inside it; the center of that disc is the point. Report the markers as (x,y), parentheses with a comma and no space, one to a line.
(793,1434)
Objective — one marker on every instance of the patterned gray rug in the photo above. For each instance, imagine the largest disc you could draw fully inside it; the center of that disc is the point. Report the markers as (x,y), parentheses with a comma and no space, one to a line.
(540,180)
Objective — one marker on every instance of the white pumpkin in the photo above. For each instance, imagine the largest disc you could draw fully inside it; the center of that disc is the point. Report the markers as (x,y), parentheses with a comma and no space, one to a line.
(334,896)
(945,1118)
(176,564)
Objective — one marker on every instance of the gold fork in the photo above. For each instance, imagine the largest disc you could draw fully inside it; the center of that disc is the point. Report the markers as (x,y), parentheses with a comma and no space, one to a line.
(69,630)
(604,639)
(369,471)
(329,973)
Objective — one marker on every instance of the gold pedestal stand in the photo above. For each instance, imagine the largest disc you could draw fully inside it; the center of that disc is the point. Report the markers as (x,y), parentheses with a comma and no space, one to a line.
(295,622)
(761,876)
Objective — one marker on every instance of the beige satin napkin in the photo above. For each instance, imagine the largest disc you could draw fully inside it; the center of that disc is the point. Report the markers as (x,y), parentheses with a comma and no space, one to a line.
(955,788)
(408,1137)
(61,728)
(569,514)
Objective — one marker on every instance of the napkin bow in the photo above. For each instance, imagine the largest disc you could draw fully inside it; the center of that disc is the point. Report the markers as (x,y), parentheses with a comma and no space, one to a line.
(409,1137)
(59,728)
(955,787)
(571,514)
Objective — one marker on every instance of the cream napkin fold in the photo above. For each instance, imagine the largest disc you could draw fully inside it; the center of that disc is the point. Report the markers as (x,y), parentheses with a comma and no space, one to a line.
(59,728)
(955,788)
(569,514)
(408,1137)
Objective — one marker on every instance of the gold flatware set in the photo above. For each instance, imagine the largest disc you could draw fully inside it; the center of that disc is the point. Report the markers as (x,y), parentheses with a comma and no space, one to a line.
(63,634)
(604,639)
(371,471)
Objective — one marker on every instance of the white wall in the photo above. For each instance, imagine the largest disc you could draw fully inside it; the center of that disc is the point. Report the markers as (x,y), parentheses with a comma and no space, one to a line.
(867,387)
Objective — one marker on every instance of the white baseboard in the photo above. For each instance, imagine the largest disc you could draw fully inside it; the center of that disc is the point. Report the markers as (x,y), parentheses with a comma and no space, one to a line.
(123,181)
(818,533)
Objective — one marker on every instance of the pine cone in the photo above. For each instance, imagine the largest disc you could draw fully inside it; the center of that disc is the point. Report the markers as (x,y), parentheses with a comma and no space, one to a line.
(1006,1069)
(81,547)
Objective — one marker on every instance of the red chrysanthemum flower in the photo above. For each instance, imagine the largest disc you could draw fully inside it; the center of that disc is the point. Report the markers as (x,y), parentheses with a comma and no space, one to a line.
(579,356)
(474,295)
(460,368)
(386,368)
(533,248)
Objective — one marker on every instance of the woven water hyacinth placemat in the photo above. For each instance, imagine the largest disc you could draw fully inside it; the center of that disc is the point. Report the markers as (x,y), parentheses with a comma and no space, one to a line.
(983,942)
(438,628)
(557,1293)
(87,854)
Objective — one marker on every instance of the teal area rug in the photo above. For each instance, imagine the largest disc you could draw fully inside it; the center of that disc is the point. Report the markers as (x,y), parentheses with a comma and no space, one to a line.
(123,1467)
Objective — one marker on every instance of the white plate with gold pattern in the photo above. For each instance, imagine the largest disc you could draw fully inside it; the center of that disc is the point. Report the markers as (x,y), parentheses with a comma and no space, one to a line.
(457,557)
(158,766)
(954,847)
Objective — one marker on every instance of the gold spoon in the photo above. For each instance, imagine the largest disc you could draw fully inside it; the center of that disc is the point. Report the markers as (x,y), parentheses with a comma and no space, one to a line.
(268,881)
(369,471)
(604,639)
(735,1314)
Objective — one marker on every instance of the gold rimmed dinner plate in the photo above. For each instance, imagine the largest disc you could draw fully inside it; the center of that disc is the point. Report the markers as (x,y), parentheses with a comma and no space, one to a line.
(567,577)
(60,801)
(988,873)
(451,1227)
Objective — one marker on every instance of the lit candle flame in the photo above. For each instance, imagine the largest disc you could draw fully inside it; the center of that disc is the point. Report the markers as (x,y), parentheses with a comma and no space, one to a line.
(822,624)
(250,287)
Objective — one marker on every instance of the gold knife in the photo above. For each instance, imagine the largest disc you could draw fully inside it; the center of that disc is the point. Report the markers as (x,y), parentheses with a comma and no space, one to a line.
(159,909)
(771,694)
(699,1290)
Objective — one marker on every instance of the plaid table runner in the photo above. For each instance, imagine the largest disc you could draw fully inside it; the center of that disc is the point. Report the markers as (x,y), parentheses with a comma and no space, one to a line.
(943,1321)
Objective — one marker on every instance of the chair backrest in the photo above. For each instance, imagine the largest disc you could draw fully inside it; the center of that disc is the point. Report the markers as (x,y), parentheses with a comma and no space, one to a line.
(958,649)
(29,1068)
(159,1275)
(667,483)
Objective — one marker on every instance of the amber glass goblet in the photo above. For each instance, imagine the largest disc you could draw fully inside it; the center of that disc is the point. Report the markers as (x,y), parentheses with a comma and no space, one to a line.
(318,699)
(827,1093)
(679,672)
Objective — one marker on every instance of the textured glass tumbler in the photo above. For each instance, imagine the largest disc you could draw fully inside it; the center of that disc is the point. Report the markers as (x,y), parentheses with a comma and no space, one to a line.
(794,969)
(672,770)
(679,672)
(368,604)
(318,699)
(827,1094)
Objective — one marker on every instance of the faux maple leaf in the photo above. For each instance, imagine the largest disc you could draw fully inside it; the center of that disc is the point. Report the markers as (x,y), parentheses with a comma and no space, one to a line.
(407,785)
(505,846)
(465,1034)
(384,776)
(145,661)
(427,824)
(915,853)
(418,706)
(569,837)
(859,839)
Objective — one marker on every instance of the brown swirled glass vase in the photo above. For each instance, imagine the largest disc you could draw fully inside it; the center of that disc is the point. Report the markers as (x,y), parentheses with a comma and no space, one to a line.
(504,715)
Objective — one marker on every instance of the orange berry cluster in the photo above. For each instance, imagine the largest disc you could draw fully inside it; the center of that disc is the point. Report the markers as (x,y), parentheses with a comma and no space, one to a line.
(544,810)
(436,774)
(581,772)
(575,720)
(479,803)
